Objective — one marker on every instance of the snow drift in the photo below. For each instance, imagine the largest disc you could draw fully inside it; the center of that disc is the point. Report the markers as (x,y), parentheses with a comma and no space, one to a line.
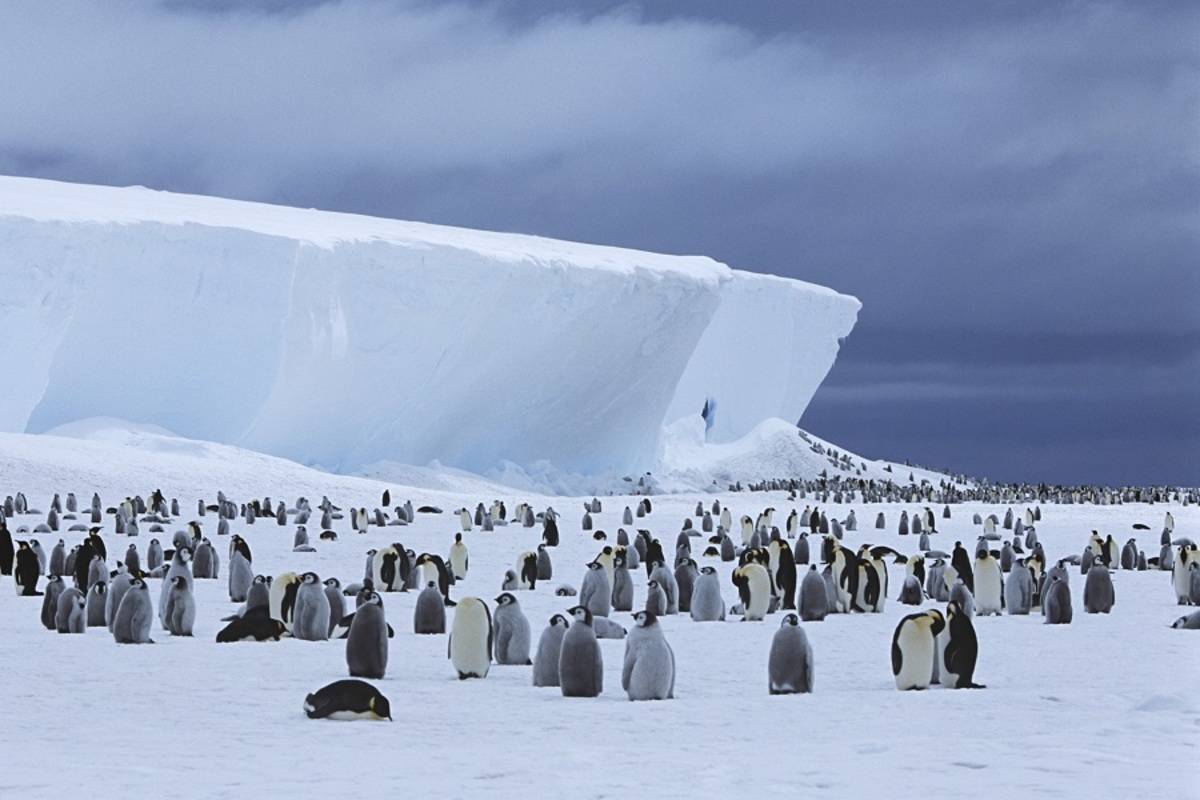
(343,340)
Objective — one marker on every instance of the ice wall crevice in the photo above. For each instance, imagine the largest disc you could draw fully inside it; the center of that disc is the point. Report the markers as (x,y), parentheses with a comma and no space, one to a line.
(342,341)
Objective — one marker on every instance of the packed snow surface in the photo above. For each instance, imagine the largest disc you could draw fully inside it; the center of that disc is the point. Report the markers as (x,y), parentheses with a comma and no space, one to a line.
(341,340)
(1103,707)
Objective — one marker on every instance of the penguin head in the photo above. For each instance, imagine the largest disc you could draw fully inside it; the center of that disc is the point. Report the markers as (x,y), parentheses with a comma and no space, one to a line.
(708,570)
(652,585)
(137,583)
(599,536)
(645,619)
(370,598)
(260,579)
(184,554)
(101,588)
(581,614)
(506,599)
(372,552)
(333,583)
(595,565)
(310,578)
(790,619)
(559,621)
(458,537)
(380,706)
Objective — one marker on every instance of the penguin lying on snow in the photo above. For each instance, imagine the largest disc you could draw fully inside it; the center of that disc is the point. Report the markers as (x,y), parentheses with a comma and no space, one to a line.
(348,700)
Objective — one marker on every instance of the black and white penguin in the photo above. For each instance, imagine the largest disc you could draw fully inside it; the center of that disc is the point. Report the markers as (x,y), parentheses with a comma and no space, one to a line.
(348,700)
(914,648)
(470,645)
(961,650)
(26,571)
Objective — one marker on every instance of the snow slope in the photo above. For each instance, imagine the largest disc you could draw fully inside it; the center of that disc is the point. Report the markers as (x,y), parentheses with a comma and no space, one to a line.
(1104,707)
(344,340)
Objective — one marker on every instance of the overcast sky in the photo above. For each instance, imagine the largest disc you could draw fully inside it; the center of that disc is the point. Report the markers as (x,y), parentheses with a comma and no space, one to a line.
(1012,189)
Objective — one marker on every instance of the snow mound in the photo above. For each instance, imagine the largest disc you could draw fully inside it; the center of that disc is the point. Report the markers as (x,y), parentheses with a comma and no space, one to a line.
(342,341)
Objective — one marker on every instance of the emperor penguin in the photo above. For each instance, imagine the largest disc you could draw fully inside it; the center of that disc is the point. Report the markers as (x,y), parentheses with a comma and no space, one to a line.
(666,579)
(97,571)
(1181,578)
(433,568)
(1056,602)
(596,593)
(580,663)
(545,661)
(526,568)
(204,561)
(113,597)
(70,616)
(910,592)
(180,567)
(470,645)
(179,614)
(240,577)
(132,623)
(26,571)
(783,567)
(648,672)
(58,558)
(754,587)
(656,599)
(386,572)
(429,615)
(686,572)
(54,588)
(814,600)
(707,605)
(459,557)
(545,570)
(337,602)
(258,595)
(1018,589)
(97,598)
(282,598)
(800,553)
(962,564)
(1188,622)
(959,650)
(510,631)
(914,648)
(310,620)
(790,663)
(1098,593)
(367,641)
(989,584)
(622,590)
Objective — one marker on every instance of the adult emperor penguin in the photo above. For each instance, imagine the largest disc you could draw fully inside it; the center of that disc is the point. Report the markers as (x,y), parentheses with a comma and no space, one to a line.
(179,614)
(596,593)
(783,567)
(914,648)
(962,564)
(790,663)
(580,663)
(707,605)
(26,571)
(814,598)
(958,650)
(283,598)
(7,552)
(989,584)
(510,631)
(1056,601)
(1018,589)
(310,620)
(648,672)
(471,637)
(1181,578)
(1098,593)
(367,641)
(754,587)
(459,559)
(132,623)
(386,571)
(429,615)
(622,590)
(845,574)
(545,661)
(348,700)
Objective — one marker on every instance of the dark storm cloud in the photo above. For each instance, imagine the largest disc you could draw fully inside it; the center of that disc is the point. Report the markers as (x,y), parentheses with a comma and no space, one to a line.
(1011,188)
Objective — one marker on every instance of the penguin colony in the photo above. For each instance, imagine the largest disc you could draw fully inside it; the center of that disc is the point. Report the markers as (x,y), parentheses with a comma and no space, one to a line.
(634,583)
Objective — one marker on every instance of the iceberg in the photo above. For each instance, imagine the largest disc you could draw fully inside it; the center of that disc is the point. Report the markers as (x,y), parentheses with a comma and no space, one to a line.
(342,340)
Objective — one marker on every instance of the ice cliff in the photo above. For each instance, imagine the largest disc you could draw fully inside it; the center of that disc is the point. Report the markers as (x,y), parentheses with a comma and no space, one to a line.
(342,340)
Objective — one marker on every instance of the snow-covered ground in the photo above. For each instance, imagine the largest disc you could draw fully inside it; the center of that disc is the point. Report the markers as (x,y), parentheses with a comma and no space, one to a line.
(1104,707)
